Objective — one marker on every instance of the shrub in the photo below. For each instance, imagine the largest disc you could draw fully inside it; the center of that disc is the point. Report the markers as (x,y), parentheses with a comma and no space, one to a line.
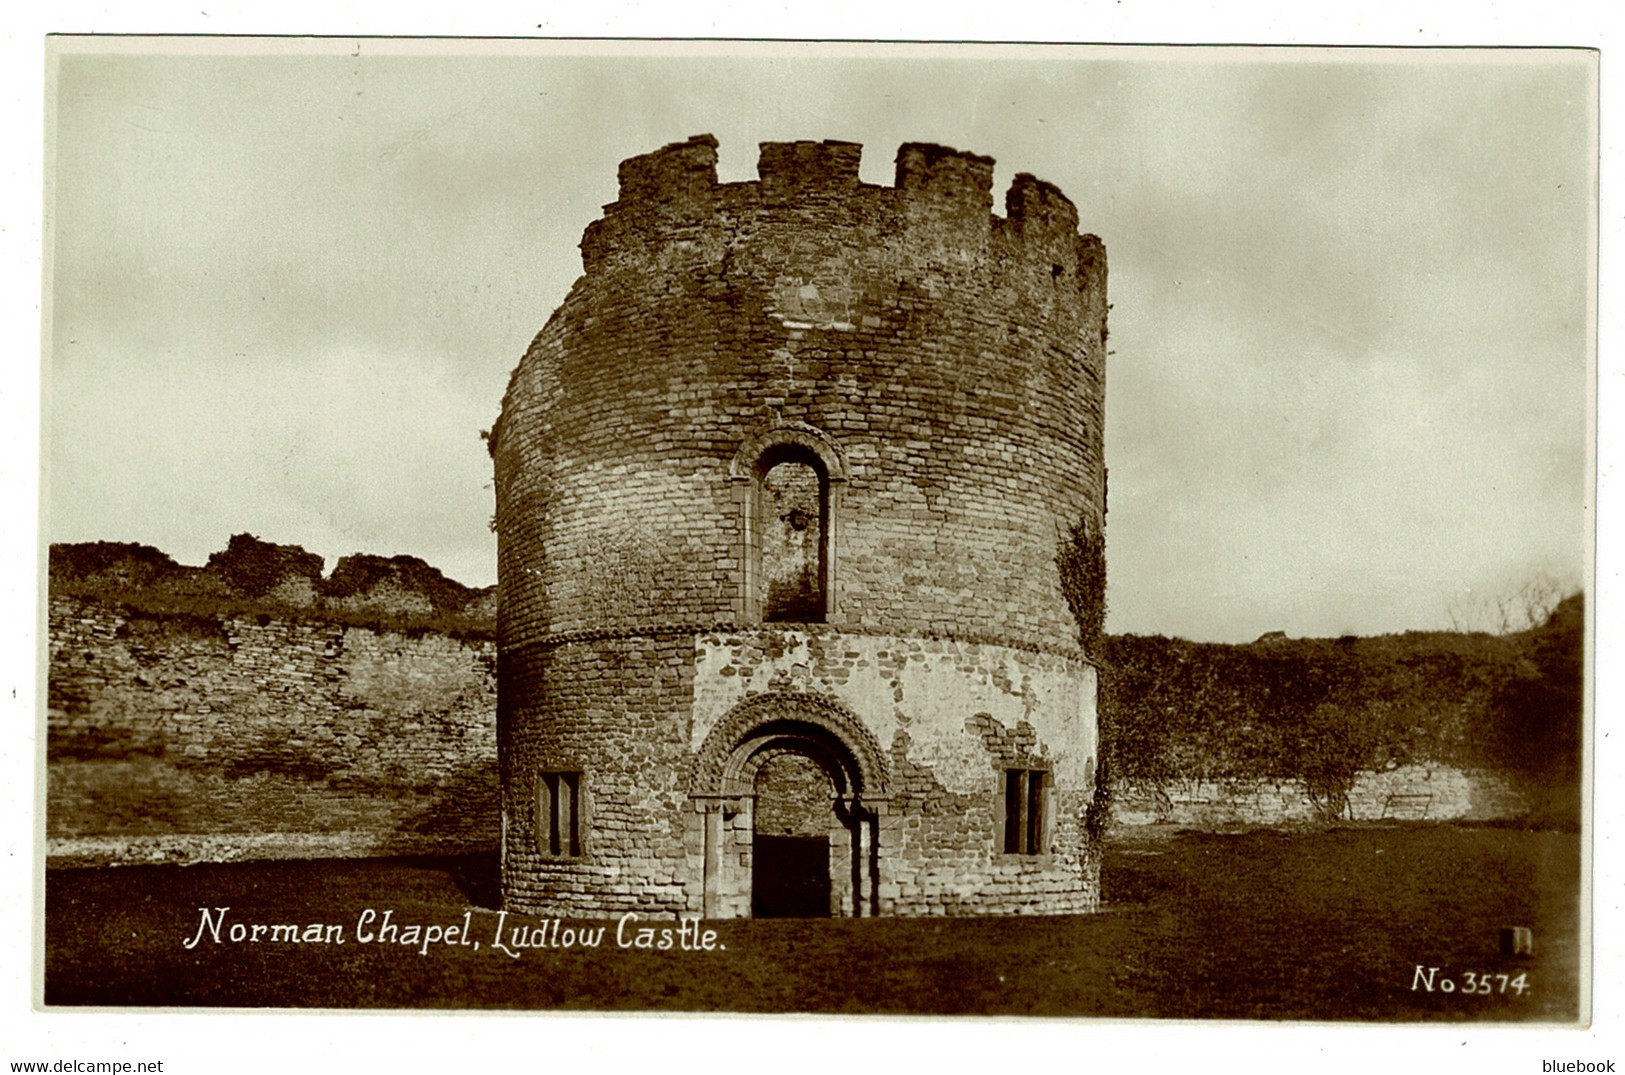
(254,567)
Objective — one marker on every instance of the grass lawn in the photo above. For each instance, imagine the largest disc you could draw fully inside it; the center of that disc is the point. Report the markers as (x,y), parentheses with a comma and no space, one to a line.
(1325,925)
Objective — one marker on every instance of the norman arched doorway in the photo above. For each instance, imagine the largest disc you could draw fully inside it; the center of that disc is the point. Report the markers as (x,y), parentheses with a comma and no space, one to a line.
(789,789)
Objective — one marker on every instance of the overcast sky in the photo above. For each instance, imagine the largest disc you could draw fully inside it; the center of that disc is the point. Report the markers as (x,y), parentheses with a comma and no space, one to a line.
(1348,382)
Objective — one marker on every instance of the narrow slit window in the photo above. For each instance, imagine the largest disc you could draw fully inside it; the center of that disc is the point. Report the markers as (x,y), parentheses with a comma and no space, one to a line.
(1024,811)
(558,814)
(1013,799)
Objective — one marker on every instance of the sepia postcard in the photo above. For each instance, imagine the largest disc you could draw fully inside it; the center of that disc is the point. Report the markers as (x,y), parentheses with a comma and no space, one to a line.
(1094,536)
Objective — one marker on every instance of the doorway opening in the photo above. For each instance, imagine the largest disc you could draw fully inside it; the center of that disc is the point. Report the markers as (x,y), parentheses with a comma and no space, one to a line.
(790,853)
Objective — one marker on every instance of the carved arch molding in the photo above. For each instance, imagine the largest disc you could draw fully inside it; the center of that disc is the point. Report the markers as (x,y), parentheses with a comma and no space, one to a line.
(821,727)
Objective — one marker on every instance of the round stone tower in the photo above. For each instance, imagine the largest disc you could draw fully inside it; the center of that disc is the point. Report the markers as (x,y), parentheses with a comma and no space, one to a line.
(781,490)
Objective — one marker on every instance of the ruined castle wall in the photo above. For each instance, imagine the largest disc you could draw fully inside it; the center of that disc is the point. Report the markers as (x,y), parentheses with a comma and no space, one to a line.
(1419,792)
(187,737)
(183,739)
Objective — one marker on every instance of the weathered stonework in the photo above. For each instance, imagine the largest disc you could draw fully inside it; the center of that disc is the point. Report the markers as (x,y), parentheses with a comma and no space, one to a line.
(786,474)
(177,737)
(1421,792)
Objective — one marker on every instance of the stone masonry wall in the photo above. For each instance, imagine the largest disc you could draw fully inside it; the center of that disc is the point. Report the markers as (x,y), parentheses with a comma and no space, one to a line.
(632,713)
(955,357)
(952,716)
(1406,793)
(793,797)
(185,737)
(615,710)
(177,739)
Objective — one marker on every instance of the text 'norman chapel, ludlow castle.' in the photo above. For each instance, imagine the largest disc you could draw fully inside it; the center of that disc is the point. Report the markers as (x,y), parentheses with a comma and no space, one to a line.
(780,491)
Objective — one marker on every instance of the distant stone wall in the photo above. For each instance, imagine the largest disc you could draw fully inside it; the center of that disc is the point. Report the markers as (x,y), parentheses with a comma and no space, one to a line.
(1406,793)
(178,736)
(250,577)
(1436,725)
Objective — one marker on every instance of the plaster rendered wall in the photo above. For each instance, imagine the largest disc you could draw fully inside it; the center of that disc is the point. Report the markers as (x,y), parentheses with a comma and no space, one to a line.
(633,713)
(181,737)
(951,717)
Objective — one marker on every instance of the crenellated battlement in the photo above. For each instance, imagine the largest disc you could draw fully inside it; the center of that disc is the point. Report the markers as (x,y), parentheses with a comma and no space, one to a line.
(678,174)
(793,170)
(942,198)
(1033,206)
(946,176)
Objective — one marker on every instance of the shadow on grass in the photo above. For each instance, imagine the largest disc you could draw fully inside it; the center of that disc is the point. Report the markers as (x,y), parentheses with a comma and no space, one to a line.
(478,878)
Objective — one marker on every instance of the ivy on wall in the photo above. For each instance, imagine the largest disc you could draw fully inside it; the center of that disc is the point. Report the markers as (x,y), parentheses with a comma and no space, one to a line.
(254,568)
(1080,557)
(1322,711)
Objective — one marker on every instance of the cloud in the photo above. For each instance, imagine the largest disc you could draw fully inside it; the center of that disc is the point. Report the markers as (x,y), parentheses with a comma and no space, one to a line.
(1350,290)
(341,451)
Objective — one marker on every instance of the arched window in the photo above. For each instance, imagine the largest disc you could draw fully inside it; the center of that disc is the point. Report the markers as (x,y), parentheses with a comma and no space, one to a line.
(792,512)
(789,482)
